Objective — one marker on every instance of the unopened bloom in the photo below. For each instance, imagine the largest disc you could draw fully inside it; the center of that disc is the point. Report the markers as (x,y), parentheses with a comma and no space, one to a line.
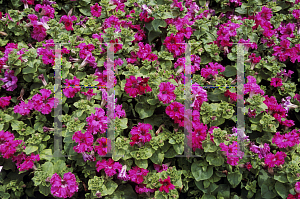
(123,174)
(166,185)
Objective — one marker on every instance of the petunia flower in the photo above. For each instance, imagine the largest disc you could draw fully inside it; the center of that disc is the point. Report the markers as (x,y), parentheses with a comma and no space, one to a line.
(96,10)
(65,187)
(109,167)
(68,20)
(166,92)
(166,185)
(136,174)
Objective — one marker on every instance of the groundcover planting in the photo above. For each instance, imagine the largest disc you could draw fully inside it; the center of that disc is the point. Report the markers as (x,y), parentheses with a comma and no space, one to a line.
(131,99)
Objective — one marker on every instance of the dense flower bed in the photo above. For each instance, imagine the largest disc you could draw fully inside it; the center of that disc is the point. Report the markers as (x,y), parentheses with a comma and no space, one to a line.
(149,110)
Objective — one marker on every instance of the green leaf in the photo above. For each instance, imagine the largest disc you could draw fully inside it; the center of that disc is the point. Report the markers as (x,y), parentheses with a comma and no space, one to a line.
(29,70)
(209,146)
(229,71)
(141,163)
(157,157)
(47,167)
(152,35)
(234,178)
(30,149)
(44,190)
(144,110)
(208,196)
(199,172)
(156,23)
(281,189)
(179,148)
(214,159)
(109,188)
(46,154)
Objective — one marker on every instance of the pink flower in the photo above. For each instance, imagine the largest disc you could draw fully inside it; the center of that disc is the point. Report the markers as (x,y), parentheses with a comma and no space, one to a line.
(65,187)
(68,20)
(166,92)
(232,96)
(8,145)
(161,168)
(295,53)
(109,167)
(42,103)
(47,55)
(261,150)
(166,185)
(276,82)
(278,159)
(282,51)
(10,80)
(119,112)
(296,14)
(89,94)
(233,153)
(104,147)
(175,110)
(97,122)
(4,101)
(248,166)
(24,108)
(84,141)
(47,10)
(69,91)
(140,134)
(136,174)
(199,96)
(116,45)
(212,70)
(252,88)
(135,86)
(141,188)
(96,10)
(123,174)
(297,187)
(288,139)
(28,162)
(173,44)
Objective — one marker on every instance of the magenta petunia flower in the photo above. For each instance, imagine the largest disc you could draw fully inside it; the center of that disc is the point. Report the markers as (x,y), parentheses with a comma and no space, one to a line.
(282,51)
(28,162)
(278,159)
(252,88)
(289,139)
(123,174)
(104,146)
(212,70)
(166,92)
(97,122)
(42,103)
(137,86)
(261,150)
(233,153)
(276,82)
(141,188)
(295,53)
(140,134)
(96,10)
(46,10)
(10,81)
(24,108)
(166,185)
(161,168)
(89,94)
(74,87)
(68,20)
(296,14)
(84,141)
(4,101)
(297,187)
(199,96)
(175,110)
(109,167)
(136,174)
(174,44)
(65,187)
(47,55)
